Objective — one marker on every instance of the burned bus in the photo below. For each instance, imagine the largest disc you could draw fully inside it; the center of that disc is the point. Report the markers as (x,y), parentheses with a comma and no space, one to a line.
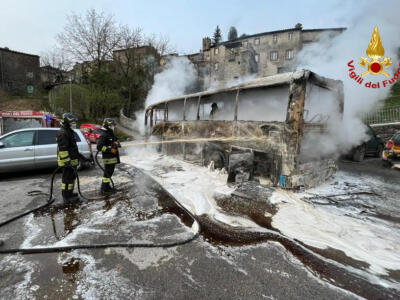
(261,130)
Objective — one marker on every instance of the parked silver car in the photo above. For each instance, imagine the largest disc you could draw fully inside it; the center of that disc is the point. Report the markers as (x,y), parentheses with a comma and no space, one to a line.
(34,148)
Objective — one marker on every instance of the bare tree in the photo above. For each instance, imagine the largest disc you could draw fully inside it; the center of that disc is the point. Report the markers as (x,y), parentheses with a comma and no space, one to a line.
(128,58)
(57,63)
(55,58)
(135,62)
(161,42)
(91,37)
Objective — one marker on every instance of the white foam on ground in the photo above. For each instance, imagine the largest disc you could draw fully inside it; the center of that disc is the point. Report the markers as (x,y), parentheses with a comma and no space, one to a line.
(193,186)
(373,242)
(144,258)
(94,281)
(18,265)
(363,239)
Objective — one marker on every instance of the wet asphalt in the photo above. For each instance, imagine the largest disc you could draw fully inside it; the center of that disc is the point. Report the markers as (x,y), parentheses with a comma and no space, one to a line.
(140,211)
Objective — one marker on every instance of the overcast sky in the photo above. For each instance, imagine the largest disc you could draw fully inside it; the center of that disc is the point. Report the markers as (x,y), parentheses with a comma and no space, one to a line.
(31,25)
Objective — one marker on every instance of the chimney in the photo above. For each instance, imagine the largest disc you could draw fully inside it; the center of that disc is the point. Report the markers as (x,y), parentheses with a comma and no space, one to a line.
(206,44)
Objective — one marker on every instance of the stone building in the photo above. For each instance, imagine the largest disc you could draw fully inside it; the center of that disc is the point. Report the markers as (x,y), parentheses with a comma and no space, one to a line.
(19,72)
(81,70)
(257,55)
(143,55)
(50,76)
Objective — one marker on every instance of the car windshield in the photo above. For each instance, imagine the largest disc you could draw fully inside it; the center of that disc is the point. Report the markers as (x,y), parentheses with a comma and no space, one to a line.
(396,139)
(98,131)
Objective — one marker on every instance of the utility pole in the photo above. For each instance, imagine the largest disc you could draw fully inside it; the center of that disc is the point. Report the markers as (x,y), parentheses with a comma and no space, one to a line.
(70,94)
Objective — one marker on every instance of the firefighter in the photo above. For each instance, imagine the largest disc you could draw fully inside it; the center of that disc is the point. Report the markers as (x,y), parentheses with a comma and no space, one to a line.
(68,157)
(108,144)
(214,110)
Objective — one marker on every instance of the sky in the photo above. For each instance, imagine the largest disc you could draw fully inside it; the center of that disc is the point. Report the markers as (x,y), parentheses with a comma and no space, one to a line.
(32,25)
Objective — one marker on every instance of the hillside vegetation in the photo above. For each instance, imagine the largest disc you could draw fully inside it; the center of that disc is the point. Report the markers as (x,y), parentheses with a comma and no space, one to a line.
(15,104)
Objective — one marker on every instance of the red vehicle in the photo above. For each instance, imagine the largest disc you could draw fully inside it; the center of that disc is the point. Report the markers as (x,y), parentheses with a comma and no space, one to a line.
(14,120)
(91,132)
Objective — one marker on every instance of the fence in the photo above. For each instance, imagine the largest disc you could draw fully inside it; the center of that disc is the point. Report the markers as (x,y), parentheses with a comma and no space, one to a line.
(383,115)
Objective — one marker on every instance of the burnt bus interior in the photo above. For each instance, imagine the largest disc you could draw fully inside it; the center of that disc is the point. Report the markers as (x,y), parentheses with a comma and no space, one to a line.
(261,130)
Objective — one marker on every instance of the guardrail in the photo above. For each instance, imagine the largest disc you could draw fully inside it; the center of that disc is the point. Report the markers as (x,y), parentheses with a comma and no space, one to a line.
(383,115)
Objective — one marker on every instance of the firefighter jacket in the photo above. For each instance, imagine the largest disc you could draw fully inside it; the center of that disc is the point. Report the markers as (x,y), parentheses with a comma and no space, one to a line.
(67,150)
(106,142)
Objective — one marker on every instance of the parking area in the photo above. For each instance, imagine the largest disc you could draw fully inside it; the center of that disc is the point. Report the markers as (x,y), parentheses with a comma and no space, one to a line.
(140,211)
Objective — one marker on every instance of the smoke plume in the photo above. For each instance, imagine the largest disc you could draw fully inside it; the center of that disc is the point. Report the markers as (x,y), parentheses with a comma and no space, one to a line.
(178,75)
(330,57)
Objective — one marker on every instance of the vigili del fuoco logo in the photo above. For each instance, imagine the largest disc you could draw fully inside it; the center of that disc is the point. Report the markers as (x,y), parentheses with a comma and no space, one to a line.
(375,64)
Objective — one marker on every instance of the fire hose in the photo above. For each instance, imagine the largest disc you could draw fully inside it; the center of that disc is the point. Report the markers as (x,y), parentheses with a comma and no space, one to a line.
(51,200)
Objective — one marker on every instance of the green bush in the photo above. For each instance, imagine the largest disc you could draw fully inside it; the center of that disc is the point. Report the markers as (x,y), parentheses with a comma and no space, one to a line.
(90,103)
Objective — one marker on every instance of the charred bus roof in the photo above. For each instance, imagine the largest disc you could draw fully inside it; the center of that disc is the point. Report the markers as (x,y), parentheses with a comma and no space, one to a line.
(270,81)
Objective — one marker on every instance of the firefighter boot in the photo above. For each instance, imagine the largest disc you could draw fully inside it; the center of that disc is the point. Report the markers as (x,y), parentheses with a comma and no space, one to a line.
(105,188)
(69,198)
(66,195)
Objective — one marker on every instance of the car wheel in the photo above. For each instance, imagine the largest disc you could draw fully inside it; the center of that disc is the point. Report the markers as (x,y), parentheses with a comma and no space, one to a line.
(359,153)
(81,165)
(379,151)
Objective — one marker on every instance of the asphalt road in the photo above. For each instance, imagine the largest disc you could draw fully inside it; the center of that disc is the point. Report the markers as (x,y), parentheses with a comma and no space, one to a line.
(372,167)
(139,212)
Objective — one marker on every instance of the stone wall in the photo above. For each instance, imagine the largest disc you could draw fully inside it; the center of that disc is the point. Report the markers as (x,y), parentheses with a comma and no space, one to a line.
(18,71)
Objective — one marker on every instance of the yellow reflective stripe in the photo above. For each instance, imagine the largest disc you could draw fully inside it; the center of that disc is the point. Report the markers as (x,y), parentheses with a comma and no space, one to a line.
(63,154)
(74,162)
(108,161)
(106,180)
(70,186)
(104,149)
(61,162)
(64,160)
(63,186)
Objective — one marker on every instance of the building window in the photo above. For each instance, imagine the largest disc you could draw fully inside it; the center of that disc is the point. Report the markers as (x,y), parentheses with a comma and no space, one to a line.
(216,51)
(275,38)
(257,57)
(257,41)
(289,54)
(290,36)
(216,66)
(274,55)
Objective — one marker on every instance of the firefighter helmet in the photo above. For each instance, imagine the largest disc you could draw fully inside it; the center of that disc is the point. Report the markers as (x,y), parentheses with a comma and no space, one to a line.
(68,118)
(109,122)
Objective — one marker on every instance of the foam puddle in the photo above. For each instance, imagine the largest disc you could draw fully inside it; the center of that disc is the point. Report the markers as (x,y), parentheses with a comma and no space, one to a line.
(369,240)
(366,239)
(193,186)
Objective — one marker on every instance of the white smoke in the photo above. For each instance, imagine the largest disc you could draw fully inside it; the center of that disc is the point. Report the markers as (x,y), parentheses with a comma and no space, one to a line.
(179,74)
(330,57)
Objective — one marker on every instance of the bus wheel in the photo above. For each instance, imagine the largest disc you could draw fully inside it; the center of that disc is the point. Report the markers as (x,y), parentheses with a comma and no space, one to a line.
(217,157)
